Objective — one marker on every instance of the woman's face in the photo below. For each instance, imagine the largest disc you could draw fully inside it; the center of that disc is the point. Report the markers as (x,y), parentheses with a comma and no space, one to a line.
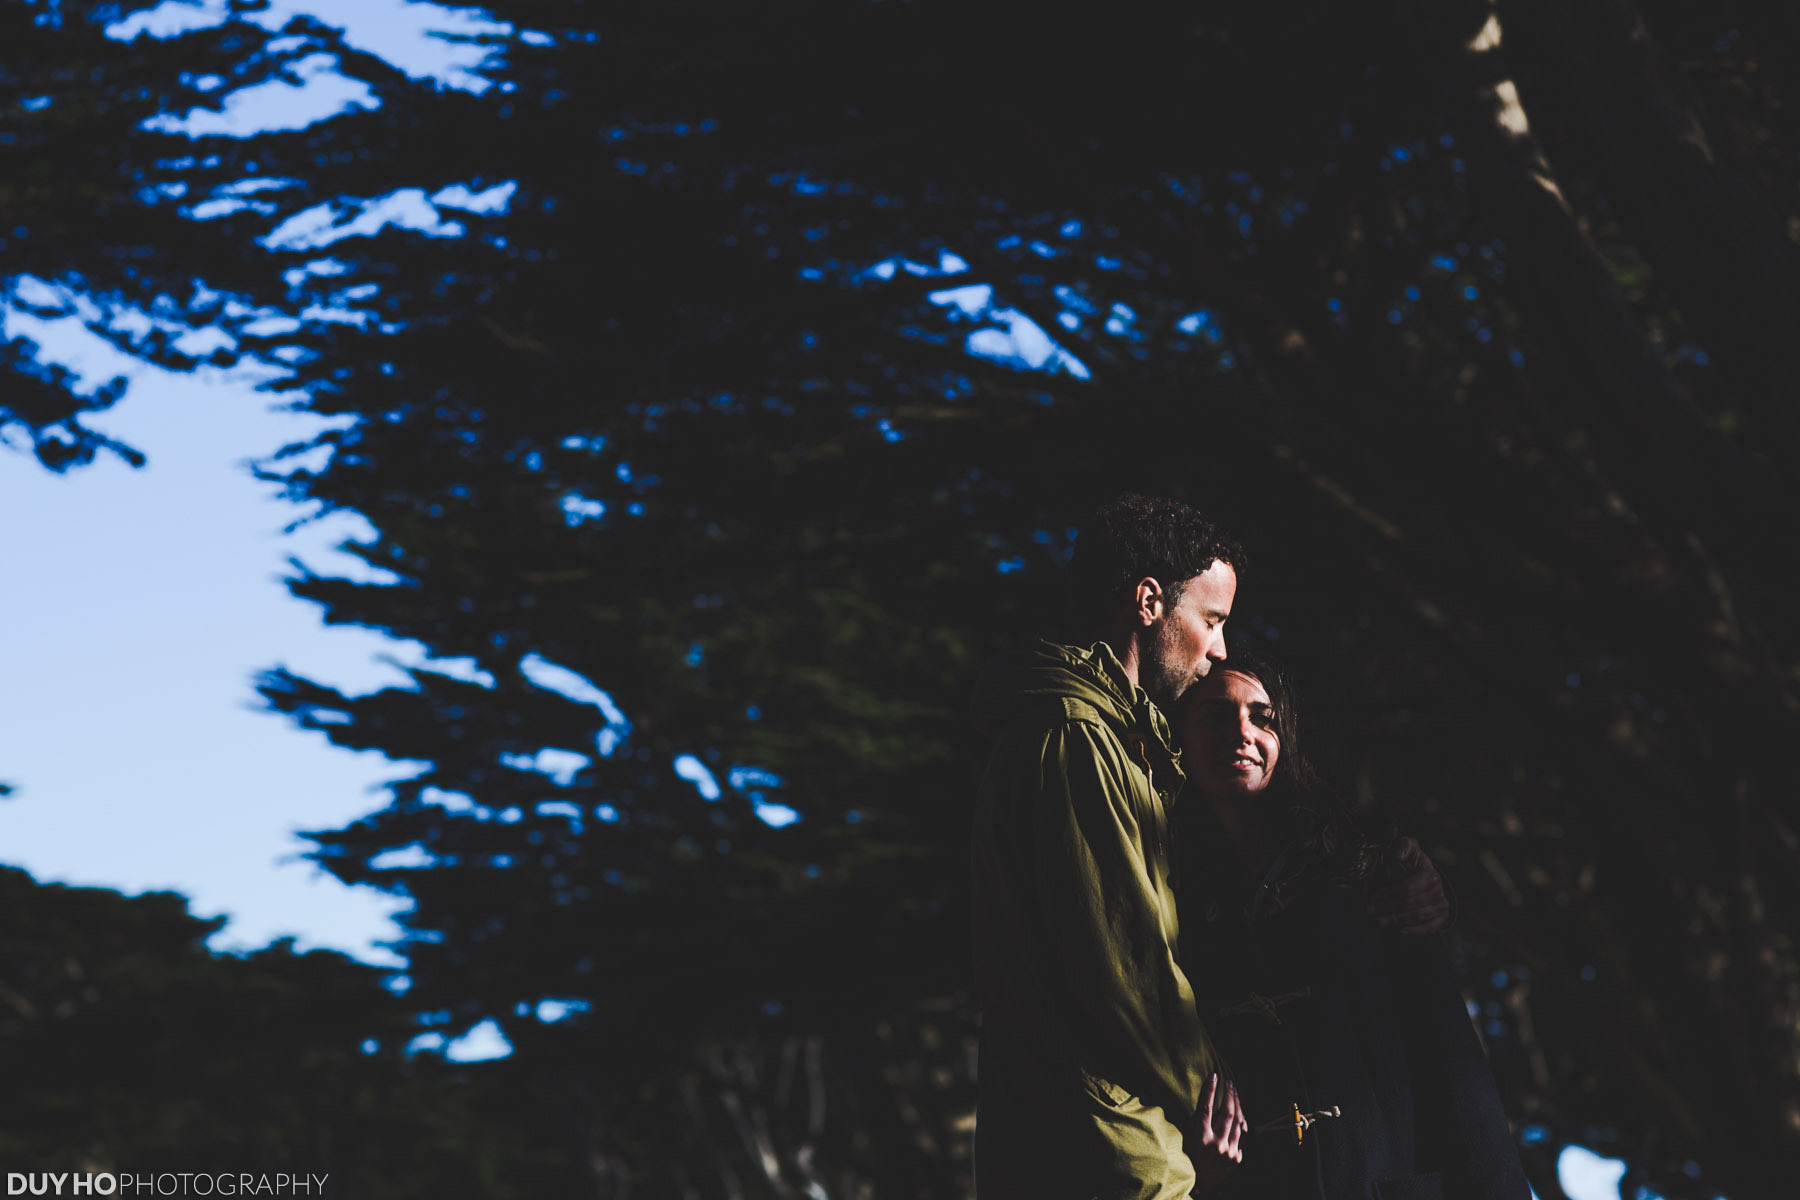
(1228,737)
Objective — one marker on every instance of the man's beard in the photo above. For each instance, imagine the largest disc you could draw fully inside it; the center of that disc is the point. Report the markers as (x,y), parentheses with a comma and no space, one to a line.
(1162,680)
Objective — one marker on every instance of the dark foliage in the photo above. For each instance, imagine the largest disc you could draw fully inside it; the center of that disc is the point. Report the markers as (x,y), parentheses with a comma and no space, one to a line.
(130,1049)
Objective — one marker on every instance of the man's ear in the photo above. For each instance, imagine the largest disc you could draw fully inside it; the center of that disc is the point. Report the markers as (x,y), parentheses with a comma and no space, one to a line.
(1147,601)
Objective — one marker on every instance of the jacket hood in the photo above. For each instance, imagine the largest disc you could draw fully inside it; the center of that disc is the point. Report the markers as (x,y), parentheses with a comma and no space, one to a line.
(1050,673)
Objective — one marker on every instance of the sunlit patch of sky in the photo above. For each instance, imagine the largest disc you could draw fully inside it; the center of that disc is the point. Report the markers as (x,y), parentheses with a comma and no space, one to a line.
(777,816)
(60,324)
(491,201)
(96,342)
(1201,322)
(455,802)
(749,780)
(481,1044)
(405,208)
(411,856)
(744,778)
(412,656)
(579,510)
(1007,335)
(72,330)
(224,206)
(947,264)
(752,781)
(308,90)
(324,267)
(560,766)
(573,686)
(351,530)
(550,1011)
(1585,1175)
(149,642)
(245,187)
(695,772)
(452,46)
(93,362)
(33,292)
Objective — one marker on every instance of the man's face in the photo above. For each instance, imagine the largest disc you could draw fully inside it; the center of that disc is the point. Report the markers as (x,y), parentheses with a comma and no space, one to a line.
(1189,635)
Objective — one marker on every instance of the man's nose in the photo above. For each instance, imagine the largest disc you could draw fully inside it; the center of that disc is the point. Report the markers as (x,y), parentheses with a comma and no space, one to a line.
(1216,651)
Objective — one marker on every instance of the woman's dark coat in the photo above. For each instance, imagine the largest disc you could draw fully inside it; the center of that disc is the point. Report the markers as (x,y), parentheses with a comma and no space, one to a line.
(1313,1006)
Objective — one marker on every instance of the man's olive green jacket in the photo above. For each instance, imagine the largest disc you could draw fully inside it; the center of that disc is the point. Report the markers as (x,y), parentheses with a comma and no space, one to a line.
(1092,1054)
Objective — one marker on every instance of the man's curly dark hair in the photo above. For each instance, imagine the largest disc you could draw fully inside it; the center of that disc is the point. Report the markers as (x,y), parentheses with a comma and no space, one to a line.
(1136,536)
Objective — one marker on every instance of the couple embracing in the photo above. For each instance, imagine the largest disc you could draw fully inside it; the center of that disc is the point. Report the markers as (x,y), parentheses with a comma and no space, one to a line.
(1198,975)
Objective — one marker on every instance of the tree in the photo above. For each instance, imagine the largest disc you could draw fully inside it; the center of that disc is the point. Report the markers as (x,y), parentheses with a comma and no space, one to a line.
(134,1050)
(768,406)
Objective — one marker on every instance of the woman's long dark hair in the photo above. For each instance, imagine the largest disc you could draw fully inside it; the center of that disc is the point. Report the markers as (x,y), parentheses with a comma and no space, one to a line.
(1327,842)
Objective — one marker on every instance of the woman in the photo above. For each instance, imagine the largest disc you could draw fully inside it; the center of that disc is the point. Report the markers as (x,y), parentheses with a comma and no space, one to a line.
(1356,1065)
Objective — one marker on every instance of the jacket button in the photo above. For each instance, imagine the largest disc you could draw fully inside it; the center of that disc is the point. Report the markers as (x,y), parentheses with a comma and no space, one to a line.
(1300,1122)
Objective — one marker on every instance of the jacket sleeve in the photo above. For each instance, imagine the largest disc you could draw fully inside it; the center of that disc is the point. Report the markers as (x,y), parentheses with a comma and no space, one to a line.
(1100,872)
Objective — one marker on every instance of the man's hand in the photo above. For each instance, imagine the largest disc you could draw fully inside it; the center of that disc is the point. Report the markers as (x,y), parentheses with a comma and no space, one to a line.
(1218,1154)
(1417,903)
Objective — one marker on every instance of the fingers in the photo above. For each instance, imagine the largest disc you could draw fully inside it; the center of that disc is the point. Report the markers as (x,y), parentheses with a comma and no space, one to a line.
(1235,1126)
(1388,901)
(1224,1131)
(1425,910)
(1208,1097)
(1425,913)
(1401,906)
(1417,904)
(1424,884)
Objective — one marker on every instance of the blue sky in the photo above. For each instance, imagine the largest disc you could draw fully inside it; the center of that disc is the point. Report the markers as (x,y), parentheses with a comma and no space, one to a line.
(144,601)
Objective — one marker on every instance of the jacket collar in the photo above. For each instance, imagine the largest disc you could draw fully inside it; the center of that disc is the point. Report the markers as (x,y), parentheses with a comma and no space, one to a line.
(1142,719)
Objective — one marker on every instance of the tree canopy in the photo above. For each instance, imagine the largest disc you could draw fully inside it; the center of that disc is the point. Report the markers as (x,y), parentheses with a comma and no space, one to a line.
(131,1050)
(727,384)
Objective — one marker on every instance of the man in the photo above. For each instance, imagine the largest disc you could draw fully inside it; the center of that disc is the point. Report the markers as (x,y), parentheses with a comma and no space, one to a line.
(1095,1068)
